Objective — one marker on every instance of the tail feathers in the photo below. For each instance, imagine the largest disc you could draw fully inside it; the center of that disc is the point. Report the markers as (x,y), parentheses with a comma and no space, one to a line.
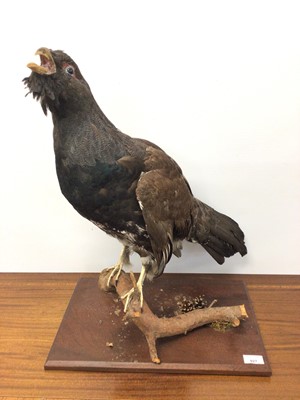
(220,235)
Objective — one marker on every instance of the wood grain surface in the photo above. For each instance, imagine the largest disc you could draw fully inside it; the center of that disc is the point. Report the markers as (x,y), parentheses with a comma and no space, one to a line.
(31,309)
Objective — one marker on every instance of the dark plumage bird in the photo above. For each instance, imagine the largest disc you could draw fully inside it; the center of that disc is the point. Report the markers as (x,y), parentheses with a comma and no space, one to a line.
(128,187)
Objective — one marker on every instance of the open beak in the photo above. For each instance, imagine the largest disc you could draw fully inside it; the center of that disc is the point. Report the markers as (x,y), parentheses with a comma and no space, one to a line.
(47,66)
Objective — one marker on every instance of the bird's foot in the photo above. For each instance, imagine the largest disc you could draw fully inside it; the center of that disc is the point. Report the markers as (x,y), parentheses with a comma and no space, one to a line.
(116,271)
(137,289)
(123,260)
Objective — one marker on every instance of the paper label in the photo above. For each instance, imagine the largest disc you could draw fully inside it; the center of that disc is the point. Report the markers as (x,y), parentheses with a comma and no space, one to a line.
(253,359)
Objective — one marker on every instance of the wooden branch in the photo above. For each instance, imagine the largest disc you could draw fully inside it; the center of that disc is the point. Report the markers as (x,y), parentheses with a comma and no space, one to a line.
(154,327)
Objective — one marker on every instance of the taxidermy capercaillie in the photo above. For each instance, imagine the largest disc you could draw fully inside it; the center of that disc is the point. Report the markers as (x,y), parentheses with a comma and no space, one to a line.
(128,187)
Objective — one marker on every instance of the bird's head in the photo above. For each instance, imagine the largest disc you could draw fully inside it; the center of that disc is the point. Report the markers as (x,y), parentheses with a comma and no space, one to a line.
(57,82)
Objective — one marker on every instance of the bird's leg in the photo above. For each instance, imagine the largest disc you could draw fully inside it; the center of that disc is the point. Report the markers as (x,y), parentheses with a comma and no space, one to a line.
(123,260)
(138,287)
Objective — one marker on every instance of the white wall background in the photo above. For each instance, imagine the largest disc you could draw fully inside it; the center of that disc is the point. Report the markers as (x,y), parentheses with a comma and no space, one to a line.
(214,83)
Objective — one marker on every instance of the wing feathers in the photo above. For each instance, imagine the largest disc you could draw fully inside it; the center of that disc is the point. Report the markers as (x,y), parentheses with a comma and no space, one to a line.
(165,200)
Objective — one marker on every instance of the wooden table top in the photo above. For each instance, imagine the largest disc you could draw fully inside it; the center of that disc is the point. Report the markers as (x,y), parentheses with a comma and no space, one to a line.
(32,307)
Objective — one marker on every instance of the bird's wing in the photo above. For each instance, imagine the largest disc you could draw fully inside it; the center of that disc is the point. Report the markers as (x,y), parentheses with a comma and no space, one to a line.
(165,200)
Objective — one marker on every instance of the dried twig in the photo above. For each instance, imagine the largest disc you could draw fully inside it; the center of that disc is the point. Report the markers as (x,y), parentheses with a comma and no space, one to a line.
(154,327)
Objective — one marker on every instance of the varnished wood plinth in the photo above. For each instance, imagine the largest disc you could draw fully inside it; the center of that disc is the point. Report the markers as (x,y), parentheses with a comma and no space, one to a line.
(93,335)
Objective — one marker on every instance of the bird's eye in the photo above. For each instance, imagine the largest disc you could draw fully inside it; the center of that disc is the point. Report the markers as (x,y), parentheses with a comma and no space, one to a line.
(70,70)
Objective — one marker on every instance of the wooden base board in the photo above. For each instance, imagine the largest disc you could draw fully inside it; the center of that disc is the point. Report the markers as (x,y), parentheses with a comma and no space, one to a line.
(93,335)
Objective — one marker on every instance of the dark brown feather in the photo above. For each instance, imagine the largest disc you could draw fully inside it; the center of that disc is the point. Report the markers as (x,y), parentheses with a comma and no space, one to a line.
(128,187)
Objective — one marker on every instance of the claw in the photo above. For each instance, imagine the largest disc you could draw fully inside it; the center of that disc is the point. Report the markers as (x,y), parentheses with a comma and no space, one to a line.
(138,286)
(123,260)
(116,270)
(128,296)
